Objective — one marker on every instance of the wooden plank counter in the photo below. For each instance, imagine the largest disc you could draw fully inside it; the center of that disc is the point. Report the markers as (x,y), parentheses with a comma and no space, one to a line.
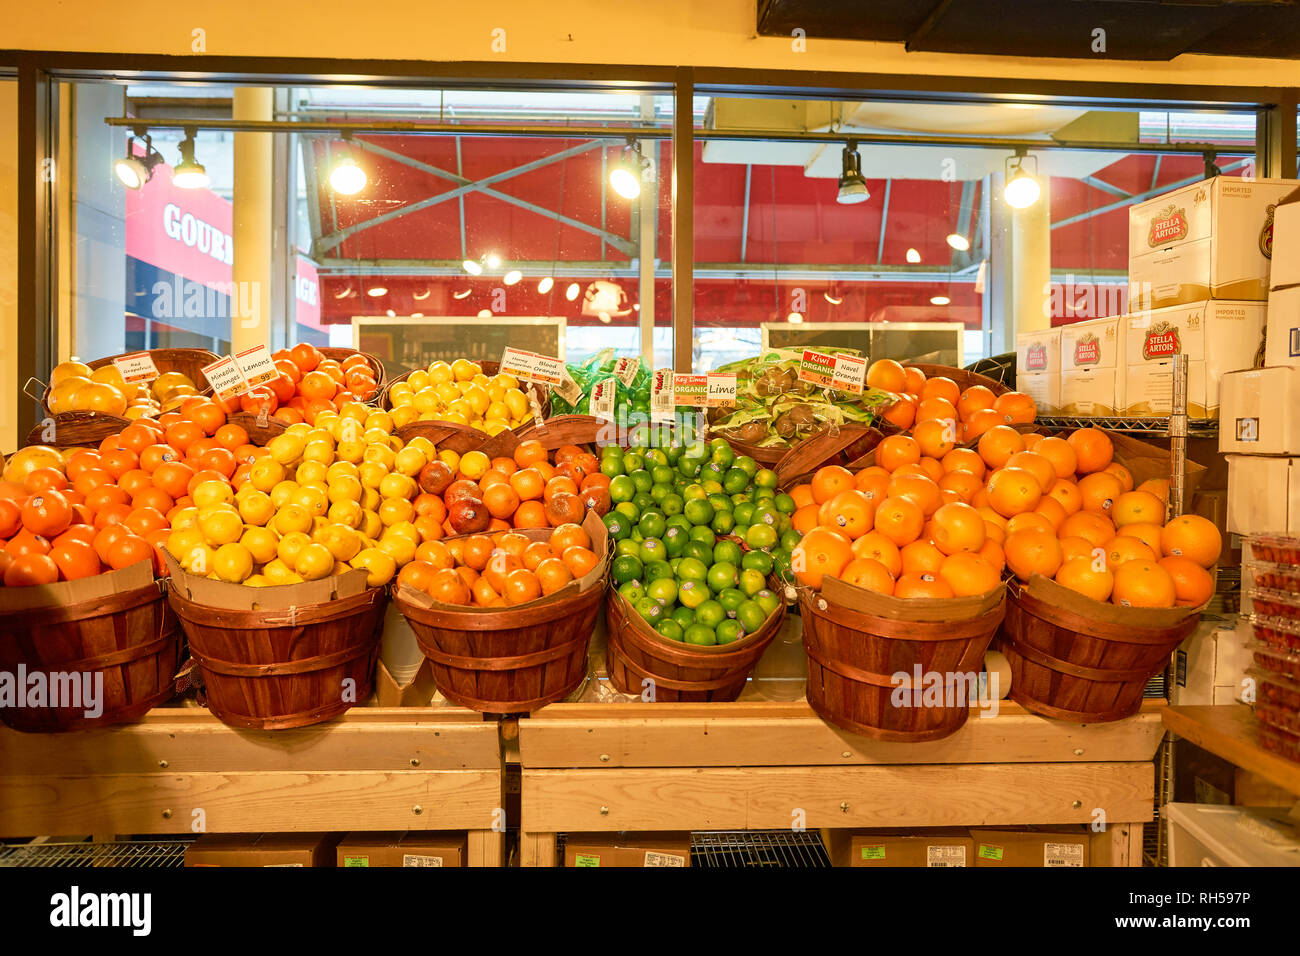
(180,770)
(1231,731)
(771,765)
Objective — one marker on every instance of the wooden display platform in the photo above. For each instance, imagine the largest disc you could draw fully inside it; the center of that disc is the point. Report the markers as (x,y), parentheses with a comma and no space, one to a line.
(771,765)
(371,769)
(1231,731)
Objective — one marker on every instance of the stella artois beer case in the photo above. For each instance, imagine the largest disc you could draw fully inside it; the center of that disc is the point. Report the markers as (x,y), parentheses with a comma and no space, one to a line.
(1260,414)
(1210,240)
(1092,368)
(1286,242)
(1216,336)
(1038,368)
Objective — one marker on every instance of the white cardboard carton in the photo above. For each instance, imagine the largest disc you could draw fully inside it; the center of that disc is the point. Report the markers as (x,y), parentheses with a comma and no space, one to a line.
(1093,392)
(1043,388)
(1282,335)
(1215,335)
(1210,664)
(1263,494)
(1088,346)
(1259,415)
(1038,351)
(1208,240)
(1286,242)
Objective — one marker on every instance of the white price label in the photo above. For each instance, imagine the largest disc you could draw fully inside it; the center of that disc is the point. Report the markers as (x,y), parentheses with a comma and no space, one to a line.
(661,395)
(602,399)
(569,390)
(225,377)
(625,370)
(850,374)
(532,366)
(136,367)
(256,365)
(719,390)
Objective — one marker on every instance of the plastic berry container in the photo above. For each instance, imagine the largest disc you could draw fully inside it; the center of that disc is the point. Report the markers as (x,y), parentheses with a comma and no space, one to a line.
(1280,741)
(1270,660)
(1272,602)
(1278,577)
(1279,633)
(1276,548)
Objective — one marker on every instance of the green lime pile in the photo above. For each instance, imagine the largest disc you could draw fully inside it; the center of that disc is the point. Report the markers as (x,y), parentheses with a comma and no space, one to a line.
(676,510)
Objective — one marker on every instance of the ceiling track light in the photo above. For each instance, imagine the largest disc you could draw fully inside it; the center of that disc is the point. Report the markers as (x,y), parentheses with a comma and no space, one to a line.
(346,177)
(1022,189)
(625,178)
(189,172)
(853,187)
(134,171)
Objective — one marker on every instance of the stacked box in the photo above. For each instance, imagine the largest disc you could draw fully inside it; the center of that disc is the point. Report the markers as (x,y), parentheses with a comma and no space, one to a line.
(1038,368)
(1214,336)
(1092,380)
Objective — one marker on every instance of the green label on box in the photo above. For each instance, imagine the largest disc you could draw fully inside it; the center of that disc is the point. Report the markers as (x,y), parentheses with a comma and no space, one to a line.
(990,852)
(873,853)
(586,859)
(356,861)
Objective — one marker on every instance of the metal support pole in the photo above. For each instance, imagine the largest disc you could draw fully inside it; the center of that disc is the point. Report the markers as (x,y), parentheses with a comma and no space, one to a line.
(1178,437)
(683,220)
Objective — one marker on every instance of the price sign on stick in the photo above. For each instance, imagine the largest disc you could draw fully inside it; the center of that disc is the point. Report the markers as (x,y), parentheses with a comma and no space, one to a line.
(845,373)
(225,377)
(720,390)
(691,390)
(256,365)
(533,367)
(136,367)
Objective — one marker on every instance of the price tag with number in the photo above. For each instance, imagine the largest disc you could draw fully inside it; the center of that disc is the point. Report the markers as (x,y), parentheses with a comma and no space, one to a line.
(256,365)
(661,395)
(845,373)
(533,367)
(136,367)
(720,390)
(690,390)
(225,377)
(602,399)
(625,370)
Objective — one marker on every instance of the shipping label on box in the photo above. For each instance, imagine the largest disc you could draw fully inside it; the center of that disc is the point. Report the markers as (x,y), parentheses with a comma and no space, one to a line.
(1263,495)
(1282,331)
(1260,414)
(1044,389)
(1091,392)
(902,848)
(1031,846)
(1210,239)
(627,849)
(1038,351)
(1092,345)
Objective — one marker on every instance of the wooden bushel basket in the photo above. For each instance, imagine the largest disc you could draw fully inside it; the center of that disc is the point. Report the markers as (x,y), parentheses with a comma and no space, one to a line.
(849,443)
(961,376)
(1073,659)
(853,655)
(564,430)
(130,637)
(339,353)
(511,661)
(680,671)
(279,667)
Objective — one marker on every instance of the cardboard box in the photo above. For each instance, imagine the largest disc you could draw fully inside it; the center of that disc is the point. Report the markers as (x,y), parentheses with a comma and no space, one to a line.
(413,848)
(1092,392)
(1088,346)
(1208,240)
(1038,351)
(1031,846)
(628,849)
(902,848)
(1215,337)
(262,849)
(1200,776)
(1043,388)
(1210,664)
(1282,332)
(1260,413)
(1286,242)
(1263,494)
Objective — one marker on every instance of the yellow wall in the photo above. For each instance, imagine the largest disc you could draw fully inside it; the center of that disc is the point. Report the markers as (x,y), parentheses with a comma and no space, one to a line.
(8,266)
(664,32)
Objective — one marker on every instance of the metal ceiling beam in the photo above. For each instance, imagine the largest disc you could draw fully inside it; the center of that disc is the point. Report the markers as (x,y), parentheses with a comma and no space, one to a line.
(766,272)
(744,215)
(884,221)
(460,202)
(1104,186)
(1140,197)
